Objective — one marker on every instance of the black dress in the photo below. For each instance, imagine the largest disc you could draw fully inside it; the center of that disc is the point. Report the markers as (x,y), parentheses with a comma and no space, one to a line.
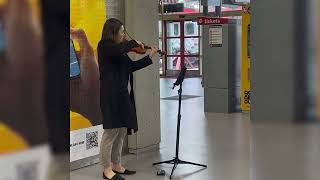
(117,105)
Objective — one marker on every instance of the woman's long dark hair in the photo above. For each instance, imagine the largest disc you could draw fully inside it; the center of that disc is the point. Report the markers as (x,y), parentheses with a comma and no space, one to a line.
(110,29)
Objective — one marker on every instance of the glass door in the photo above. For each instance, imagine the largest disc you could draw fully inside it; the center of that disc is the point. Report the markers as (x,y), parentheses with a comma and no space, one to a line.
(182,46)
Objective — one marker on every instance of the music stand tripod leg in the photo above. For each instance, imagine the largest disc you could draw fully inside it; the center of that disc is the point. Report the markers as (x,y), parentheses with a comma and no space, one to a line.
(174,167)
(196,164)
(176,160)
(163,162)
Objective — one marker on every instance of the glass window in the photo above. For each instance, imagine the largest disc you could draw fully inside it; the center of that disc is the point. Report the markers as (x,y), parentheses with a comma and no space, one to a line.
(160,29)
(192,63)
(191,28)
(173,29)
(242,1)
(173,63)
(173,46)
(189,6)
(191,46)
(160,43)
(225,7)
(160,66)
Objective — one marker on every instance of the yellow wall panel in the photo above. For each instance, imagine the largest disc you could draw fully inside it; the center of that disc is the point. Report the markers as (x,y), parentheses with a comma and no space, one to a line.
(318,62)
(89,15)
(10,140)
(245,65)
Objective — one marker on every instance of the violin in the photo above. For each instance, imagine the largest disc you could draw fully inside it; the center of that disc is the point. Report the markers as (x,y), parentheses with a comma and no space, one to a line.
(139,50)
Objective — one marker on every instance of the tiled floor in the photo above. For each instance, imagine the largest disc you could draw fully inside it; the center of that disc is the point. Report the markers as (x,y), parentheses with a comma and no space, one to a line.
(232,148)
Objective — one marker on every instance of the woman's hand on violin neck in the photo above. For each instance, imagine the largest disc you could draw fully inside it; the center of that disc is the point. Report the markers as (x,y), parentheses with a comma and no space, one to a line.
(153,52)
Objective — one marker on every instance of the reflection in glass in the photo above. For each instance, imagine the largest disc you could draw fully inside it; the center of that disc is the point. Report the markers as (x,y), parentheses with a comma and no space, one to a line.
(173,46)
(192,63)
(173,29)
(191,46)
(160,28)
(190,6)
(160,66)
(173,63)
(191,28)
(160,43)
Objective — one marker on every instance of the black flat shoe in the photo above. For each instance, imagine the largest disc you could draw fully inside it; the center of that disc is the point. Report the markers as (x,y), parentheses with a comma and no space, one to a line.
(126,172)
(115,177)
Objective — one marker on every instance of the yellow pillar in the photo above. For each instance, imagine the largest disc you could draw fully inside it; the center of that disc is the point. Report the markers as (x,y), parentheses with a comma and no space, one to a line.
(90,16)
(245,65)
(318,62)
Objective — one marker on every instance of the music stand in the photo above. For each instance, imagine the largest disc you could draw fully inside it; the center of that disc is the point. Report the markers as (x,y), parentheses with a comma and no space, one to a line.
(176,159)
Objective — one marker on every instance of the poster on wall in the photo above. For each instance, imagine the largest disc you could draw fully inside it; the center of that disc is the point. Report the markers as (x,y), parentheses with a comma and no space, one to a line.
(85,131)
(215,36)
(90,16)
(85,142)
(85,137)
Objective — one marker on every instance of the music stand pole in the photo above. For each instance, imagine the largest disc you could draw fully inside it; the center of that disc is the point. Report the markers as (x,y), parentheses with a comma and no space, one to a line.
(176,159)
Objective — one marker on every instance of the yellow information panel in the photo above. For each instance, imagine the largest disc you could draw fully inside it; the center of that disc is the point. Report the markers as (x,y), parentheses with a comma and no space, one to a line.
(245,66)
(318,62)
(89,15)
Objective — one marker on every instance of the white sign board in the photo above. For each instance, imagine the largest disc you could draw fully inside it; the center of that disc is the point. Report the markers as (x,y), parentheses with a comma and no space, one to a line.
(85,142)
(30,164)
(215,36)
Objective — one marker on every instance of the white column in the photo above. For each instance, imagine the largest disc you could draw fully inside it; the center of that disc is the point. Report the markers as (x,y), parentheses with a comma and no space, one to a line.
(141,21)
(115,9)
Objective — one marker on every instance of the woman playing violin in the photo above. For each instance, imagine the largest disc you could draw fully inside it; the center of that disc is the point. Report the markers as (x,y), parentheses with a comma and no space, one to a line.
(117,98)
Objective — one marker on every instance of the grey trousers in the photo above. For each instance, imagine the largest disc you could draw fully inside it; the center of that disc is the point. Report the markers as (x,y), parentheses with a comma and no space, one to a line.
(111,146)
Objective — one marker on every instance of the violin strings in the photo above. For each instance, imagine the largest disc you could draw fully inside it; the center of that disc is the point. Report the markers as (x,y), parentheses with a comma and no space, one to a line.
(127,34)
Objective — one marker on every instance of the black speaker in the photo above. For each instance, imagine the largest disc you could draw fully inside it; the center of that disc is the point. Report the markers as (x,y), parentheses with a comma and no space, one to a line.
(177,7)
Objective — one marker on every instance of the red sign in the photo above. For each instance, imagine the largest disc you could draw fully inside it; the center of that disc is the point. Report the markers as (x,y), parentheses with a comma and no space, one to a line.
(210,20)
